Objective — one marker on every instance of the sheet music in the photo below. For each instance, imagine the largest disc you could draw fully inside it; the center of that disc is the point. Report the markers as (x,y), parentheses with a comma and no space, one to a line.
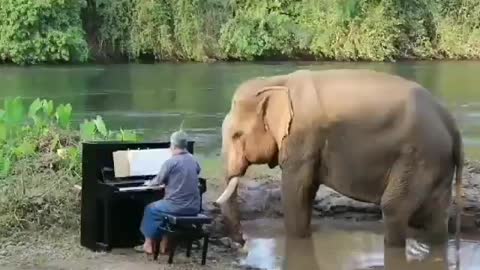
(139,162)
(147,162)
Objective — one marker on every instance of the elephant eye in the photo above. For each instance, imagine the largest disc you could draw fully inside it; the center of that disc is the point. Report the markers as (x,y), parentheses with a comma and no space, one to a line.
(237,135)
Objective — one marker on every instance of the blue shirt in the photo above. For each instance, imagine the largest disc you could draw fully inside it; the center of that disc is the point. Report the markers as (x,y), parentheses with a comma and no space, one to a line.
(179,174)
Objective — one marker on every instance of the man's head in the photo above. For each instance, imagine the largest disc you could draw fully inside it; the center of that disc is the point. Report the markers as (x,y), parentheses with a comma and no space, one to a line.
(178,141)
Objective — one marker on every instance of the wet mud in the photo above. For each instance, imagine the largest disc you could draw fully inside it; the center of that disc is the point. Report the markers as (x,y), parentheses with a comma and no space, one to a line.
(260,198)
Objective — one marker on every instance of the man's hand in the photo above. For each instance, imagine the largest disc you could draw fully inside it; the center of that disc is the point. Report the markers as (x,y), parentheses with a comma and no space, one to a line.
(147,183)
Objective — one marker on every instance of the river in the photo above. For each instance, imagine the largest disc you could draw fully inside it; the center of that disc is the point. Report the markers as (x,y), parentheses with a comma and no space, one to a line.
(155,99)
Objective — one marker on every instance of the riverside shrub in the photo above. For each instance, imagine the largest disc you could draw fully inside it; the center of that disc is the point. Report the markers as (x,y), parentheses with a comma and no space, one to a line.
(34,31)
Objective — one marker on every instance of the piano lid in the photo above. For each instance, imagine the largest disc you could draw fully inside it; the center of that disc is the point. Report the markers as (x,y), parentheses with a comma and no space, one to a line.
(128,163)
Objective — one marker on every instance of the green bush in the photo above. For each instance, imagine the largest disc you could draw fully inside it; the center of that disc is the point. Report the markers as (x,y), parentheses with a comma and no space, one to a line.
(168,29)
(349,30)
(33,31)
(259,28)
(116,21)
(152,29)
(40,161)
(458,28)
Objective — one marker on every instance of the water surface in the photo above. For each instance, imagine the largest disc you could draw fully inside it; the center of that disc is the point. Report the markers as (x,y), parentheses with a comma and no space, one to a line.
(155,99)
(341,245)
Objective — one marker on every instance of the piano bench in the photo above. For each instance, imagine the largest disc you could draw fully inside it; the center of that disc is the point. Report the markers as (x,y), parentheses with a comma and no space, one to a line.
(183,229)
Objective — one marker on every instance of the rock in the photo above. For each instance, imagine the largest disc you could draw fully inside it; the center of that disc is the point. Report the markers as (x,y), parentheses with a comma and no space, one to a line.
(259,199)
(227,242)
(236,245)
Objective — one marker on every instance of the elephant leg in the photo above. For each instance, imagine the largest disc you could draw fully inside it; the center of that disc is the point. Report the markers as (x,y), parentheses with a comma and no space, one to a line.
(397,203)
(298,192)
(437,225)
(299,254)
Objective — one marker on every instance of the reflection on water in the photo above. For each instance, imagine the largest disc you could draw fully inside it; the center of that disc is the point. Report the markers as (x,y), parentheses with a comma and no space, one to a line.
(355,246)
(262,254)
(156,98)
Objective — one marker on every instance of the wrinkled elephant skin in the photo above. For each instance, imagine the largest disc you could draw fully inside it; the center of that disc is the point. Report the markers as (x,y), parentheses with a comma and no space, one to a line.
(371,136)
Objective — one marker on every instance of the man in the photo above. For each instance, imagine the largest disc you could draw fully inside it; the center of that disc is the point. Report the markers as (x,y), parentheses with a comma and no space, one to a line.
(179,175)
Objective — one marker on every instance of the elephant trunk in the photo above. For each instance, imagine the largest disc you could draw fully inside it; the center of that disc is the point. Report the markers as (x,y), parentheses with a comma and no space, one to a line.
(228,200)
(231,214)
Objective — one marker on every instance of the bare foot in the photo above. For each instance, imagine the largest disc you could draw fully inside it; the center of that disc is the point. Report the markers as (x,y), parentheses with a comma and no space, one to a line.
(147,246)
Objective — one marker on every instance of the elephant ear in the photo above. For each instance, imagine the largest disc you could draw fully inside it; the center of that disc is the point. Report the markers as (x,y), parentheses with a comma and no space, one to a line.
(275,108)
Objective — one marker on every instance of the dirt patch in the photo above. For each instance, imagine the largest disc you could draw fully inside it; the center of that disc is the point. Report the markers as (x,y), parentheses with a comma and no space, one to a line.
(42,253)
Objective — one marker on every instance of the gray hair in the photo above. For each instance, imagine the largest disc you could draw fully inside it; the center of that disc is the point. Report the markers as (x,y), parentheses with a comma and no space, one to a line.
(179,139)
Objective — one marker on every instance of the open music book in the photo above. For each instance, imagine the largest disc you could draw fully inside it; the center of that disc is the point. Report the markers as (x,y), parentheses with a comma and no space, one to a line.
(139,162)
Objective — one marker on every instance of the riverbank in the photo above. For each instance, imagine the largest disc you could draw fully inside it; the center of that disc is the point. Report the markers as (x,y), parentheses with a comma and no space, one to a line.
(259,194)
(202,31)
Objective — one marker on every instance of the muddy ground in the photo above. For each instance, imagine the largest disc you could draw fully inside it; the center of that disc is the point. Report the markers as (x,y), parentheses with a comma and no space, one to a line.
(260,197)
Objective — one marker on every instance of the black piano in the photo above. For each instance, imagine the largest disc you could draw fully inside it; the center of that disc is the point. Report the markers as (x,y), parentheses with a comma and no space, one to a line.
(110,217)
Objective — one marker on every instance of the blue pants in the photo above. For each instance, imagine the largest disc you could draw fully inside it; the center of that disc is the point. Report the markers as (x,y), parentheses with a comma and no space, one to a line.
(153,216)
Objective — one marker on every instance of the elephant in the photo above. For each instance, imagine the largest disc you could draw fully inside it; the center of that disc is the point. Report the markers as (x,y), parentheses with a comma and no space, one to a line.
(371,136)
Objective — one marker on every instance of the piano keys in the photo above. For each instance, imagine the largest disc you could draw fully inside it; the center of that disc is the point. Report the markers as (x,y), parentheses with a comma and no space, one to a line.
(112,207)
(140,188)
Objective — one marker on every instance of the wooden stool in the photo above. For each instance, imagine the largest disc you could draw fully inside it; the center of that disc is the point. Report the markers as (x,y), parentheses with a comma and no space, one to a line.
(186,229)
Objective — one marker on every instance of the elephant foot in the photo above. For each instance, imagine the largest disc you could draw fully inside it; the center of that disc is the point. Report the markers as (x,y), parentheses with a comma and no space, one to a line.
(437,239)
(299,234)
(294,231)
(239,239)
(394,243)
(395,235)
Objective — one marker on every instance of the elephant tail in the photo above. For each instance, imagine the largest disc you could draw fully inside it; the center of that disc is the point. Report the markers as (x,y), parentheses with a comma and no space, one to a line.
(458,157)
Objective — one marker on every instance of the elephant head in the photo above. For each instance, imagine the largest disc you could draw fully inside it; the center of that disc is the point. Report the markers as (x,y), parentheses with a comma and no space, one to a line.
(252,133)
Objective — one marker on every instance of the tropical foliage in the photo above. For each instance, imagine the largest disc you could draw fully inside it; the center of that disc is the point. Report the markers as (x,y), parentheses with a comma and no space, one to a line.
(40,161)
(199,30)
(33,31)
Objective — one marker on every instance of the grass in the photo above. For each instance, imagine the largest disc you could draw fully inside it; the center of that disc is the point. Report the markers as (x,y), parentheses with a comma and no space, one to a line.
(40,162)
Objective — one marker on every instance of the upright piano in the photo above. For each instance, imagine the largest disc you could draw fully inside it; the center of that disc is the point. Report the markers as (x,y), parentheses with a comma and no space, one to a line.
(112,207)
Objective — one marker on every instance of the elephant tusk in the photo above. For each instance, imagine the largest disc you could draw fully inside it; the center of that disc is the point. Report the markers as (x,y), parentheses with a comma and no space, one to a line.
(228,191)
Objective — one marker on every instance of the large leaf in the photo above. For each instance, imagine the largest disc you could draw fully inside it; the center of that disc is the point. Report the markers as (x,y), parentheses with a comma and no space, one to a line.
(2,113)
(33,110)
(14,111)
(48,107)
(64,115)
(100,125)
(128,135)
(3,132)
(87,130)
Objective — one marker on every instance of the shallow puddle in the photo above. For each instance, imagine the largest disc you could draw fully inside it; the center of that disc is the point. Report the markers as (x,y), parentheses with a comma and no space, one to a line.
(341,245)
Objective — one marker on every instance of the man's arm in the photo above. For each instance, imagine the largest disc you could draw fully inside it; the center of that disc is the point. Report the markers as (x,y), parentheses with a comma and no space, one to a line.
(198,168)
(162,177)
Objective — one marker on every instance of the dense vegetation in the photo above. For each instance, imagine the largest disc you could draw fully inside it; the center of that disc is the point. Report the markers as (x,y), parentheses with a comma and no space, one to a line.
(34,31)
(40,162)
